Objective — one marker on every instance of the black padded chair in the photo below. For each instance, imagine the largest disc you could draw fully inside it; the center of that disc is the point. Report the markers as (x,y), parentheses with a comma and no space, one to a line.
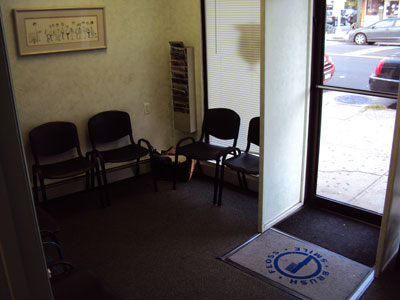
(51,141)
(222,123)
(109,127)
(243,162)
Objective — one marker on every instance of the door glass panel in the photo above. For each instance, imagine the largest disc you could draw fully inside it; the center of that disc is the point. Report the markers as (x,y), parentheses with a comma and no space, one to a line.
(363,44)
(355,149)
(362,52)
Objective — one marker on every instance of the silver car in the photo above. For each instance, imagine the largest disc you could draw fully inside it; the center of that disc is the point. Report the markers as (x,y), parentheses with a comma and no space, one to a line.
(383,31)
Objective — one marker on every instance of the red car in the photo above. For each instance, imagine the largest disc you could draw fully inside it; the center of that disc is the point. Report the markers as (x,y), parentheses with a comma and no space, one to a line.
(329,68)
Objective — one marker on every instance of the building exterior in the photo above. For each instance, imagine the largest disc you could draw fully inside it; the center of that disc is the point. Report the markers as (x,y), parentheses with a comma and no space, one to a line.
(376,10)
(368,11)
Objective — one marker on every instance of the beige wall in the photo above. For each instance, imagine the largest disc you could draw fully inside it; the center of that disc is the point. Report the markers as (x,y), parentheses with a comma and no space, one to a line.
(132,70)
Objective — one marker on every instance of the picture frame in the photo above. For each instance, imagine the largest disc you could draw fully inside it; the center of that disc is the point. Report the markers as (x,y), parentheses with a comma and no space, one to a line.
(52,30)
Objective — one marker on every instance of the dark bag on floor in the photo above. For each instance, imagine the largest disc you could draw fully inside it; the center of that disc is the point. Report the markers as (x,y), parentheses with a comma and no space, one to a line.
(164,163)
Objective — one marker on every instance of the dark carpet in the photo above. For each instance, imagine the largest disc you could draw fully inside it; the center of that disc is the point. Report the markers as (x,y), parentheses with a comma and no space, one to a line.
(164,245)
(350,238)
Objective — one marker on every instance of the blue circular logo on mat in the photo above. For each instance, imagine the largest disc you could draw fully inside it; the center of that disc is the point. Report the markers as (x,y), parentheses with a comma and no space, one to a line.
(297,266)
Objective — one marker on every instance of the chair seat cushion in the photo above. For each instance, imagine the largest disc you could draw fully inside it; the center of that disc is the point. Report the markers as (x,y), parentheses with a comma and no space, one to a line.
(245,162)
(122,154)
(67,168)
(202,151)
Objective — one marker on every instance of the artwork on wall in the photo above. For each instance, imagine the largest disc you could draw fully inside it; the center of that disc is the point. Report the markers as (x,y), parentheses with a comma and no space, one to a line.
(53,30)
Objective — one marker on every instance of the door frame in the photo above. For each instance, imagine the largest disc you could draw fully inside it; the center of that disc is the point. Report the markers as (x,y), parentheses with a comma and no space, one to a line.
(23,262)
(315,117)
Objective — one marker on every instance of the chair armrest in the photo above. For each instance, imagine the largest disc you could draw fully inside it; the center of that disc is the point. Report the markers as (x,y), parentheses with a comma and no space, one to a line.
(231,150)
(57,246)
(49,234)
(183,140)
(148,145)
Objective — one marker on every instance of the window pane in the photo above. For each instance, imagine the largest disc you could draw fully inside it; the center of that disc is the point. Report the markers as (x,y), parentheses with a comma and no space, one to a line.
(373,7)
(233,59)
(355,149)
(384,24)
(364,46)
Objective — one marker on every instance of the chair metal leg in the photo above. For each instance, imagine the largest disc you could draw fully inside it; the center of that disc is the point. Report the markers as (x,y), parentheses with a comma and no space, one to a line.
(100,186)
(216,182)
(245,181)
(138,167)
(174,171)
(239,179)
(91,173)
(153,175)
(105,183)
(43,189)
(221,184)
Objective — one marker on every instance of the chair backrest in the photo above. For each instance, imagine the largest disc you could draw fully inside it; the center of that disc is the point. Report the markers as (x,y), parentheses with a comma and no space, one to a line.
(109,126)
(253,136)
(222,123)
(53,138)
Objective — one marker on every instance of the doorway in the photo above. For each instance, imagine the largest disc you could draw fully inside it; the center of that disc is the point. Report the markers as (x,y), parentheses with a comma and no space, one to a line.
(352,112)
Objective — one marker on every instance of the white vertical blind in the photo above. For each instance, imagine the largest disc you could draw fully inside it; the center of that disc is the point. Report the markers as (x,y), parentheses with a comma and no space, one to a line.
(233,60)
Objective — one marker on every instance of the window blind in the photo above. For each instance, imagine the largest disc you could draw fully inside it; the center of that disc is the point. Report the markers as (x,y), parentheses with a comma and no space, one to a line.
(233,60)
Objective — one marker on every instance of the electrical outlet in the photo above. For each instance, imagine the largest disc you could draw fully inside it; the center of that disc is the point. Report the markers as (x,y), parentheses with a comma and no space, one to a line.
(146,106)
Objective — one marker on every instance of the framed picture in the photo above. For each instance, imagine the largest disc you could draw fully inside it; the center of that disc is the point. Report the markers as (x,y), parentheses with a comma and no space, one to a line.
(53,30)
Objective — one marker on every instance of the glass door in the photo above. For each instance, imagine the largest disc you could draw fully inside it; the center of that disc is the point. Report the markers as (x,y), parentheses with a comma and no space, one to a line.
(355,77)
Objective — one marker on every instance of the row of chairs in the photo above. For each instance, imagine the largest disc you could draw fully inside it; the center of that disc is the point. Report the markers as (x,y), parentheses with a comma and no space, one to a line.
(53,139)
(224,124)
(105,128)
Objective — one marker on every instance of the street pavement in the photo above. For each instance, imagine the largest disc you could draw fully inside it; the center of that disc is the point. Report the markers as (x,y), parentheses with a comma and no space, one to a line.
(355,149)
(340,33)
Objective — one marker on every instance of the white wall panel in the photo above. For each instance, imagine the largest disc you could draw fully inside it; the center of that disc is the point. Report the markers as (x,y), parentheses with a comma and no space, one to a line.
(286,94)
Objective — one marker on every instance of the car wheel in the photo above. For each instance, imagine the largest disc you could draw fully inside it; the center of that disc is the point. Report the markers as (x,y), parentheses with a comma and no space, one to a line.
(360,39)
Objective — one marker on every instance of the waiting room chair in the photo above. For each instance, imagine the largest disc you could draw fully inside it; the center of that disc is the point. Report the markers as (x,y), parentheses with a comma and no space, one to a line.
(106,130)
(51,141)
(222,123)
(243,162)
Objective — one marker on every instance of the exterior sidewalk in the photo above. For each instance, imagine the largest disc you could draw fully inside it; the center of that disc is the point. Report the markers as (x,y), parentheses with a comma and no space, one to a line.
(355,150)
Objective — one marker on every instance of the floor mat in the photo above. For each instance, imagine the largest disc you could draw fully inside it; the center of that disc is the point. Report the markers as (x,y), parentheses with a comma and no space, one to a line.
(301,268)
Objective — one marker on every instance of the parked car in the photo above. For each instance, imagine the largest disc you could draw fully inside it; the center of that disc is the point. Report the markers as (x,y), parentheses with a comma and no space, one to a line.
(333,20)
(330,18)
(329,68)
(387,30)
(386,77)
